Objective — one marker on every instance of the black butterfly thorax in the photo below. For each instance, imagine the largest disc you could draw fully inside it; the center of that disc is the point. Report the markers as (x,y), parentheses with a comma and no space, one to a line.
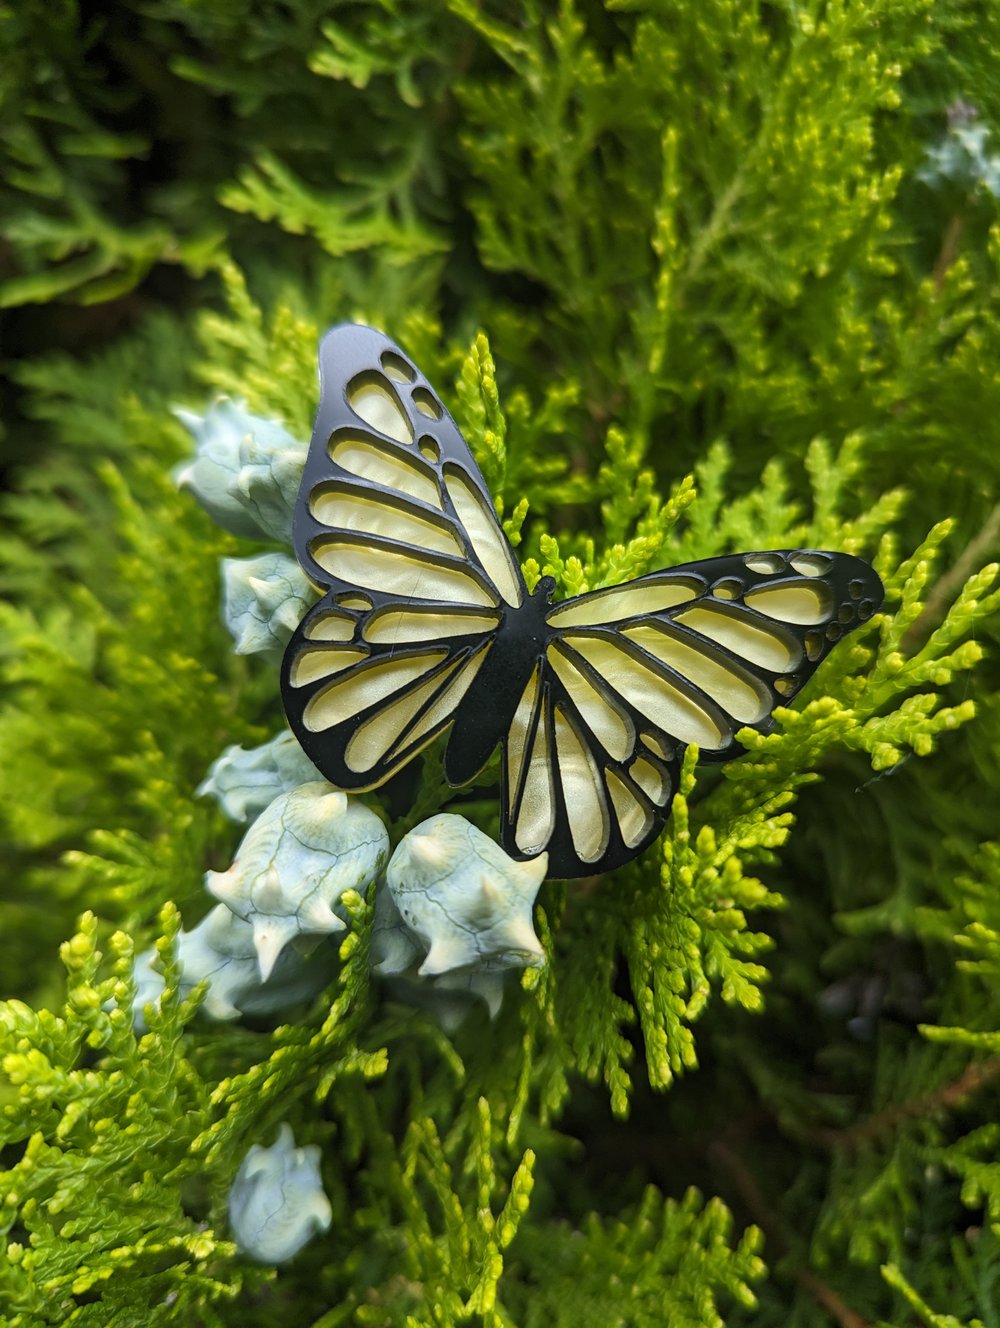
(514,651)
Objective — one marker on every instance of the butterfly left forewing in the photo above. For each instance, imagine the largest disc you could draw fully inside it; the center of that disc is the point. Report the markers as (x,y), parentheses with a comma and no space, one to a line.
(391,498)
(394,521)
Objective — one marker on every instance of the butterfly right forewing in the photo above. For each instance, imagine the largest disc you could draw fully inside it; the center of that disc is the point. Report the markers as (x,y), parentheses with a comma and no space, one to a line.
(634,674)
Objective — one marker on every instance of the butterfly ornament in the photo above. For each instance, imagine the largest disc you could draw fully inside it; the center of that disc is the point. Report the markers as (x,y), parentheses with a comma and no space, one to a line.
(426,625)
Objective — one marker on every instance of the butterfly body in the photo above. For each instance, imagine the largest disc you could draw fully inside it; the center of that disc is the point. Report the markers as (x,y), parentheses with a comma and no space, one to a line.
(427,626)
(483,719)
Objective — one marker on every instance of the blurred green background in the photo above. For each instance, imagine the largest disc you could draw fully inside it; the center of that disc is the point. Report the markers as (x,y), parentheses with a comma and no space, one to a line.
(756,241)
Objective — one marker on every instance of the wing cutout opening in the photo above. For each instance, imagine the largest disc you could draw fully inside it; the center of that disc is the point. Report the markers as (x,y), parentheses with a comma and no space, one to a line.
(621,602)
(380,734)
(313,665)
(367,514)
(653,781)
(536,813)
(351,601)
(767,564)
(611,726)
(390,625)
(396,368)
(768,648)
(397,571)
(634,819)
(739,693)
(582,786)
(487,539)
(367,687)
(806,604)
(666,705)
(328,626)
(519,735)
(364,458)
(447,702)
(373,399)
(426,404)
(811,564)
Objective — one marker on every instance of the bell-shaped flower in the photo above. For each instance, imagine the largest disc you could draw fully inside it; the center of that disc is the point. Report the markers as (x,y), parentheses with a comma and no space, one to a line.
(394,948)
(961,158)
(396,954)
(296,860)
(464,898)
(244,782)
(245,472)
(221,950)
(276,1201)
(263,601)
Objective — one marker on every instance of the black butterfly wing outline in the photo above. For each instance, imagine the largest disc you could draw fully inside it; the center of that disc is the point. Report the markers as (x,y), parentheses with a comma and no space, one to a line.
(395,522)
(426,624)
(632,674)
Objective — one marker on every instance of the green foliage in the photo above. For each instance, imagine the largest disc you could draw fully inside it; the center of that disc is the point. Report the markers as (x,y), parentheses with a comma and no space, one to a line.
(681,274)
(100,1156)
(668,1255)
(72,155)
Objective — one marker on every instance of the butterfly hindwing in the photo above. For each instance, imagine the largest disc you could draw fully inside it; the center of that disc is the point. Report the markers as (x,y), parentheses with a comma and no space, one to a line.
(370,680)
(584,777)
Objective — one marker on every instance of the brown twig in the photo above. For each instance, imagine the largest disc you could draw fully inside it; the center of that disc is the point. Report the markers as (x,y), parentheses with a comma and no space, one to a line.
(826,1296)
(948,251)
(974,1077)
(968,562)
(770,1224)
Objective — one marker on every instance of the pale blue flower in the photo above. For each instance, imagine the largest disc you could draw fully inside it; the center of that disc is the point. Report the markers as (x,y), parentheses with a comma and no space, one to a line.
(394,947)
(243,782)
(466,901)
(396,954)
(301,854)
(246,470)
(276,1202)
(221,950)
(961,157)
(263,601)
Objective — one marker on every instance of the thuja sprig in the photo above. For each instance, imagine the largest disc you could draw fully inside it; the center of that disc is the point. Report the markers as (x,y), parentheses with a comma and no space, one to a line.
(692,934)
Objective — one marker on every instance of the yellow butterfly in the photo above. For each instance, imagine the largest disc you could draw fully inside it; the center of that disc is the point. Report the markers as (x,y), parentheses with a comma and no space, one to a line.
(426,624)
